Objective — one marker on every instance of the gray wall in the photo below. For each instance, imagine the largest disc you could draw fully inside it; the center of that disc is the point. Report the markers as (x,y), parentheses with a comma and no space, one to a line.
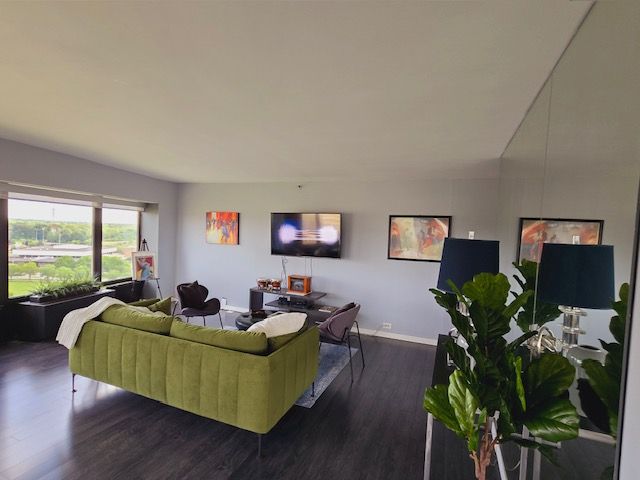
(389,290)
(39,167)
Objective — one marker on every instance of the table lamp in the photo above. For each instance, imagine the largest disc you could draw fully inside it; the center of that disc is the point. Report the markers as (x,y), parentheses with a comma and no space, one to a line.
(576,277)
(462,259)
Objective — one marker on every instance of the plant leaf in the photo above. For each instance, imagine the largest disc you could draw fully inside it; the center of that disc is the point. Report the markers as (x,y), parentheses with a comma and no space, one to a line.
(464,403)
(519,386)
(546,377)
(554,420)
(489,291)
(593,407)
(436,401)
(605,386)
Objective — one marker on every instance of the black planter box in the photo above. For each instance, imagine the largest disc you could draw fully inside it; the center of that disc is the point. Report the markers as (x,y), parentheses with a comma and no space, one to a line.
(41,320)
(52,298)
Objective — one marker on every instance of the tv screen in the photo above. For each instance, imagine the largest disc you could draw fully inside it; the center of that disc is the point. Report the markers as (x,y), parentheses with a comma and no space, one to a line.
(306,234)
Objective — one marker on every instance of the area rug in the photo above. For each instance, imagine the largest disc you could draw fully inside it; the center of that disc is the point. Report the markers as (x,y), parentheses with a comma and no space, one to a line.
(333,358)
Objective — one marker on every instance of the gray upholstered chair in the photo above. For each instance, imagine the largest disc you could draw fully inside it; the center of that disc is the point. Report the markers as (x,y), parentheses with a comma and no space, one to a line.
(194,303)
(337,329)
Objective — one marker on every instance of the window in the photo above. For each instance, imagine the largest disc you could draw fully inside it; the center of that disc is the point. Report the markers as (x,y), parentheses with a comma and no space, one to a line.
(119,239)
(48,242)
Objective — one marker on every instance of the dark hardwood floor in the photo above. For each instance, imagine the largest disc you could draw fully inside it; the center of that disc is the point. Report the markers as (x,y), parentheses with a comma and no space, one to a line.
(373,428)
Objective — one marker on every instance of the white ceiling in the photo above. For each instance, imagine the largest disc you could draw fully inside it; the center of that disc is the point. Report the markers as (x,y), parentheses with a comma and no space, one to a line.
(278,91)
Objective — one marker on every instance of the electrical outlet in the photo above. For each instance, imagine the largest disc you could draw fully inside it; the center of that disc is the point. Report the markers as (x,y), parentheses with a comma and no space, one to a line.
(472,234)
(386,326)
(223,302)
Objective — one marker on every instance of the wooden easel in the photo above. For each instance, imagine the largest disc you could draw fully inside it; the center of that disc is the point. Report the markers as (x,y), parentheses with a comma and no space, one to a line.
(144,247)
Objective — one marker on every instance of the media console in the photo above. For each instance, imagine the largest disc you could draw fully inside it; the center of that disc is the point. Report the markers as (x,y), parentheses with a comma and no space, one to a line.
(292,302)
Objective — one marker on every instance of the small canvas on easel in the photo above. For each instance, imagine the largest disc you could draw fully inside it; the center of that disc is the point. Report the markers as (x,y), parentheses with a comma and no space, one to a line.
(144,266)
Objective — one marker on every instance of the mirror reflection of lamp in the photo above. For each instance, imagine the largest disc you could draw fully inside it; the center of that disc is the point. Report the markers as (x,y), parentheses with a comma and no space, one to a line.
(576,277)
(462,259)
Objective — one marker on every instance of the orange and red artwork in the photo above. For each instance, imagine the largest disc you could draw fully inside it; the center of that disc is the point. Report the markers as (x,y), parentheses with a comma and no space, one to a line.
(223,228)
(535,232)
(417,237)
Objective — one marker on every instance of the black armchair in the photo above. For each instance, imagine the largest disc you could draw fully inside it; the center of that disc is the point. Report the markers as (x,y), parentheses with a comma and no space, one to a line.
(194,303)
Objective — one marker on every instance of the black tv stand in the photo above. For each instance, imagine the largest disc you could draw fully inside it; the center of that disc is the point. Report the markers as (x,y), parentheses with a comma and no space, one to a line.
(293,302)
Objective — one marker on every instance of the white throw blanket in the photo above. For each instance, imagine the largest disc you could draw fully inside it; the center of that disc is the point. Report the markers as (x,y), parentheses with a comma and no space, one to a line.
(73,321)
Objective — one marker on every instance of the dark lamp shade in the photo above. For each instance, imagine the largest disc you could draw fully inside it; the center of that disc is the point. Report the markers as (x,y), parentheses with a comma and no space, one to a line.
(462,259)
(576,275)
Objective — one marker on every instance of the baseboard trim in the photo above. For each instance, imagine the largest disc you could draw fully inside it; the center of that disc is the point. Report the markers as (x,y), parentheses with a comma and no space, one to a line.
(398,336)
(364,331)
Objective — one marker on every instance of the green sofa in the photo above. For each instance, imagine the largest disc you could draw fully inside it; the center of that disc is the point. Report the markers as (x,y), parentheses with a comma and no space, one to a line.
(247,390)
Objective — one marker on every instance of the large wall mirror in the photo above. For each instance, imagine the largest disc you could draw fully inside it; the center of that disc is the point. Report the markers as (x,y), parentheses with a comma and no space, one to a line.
(570,176)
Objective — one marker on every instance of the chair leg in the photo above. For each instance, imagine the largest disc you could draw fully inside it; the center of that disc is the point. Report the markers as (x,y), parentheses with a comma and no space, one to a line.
(350,363)
(220,317)
(73,383)
(360,342)
(205,320)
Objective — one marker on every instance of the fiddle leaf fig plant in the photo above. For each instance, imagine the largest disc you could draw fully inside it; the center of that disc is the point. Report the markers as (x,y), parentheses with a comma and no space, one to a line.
(490,384)
(600,393)
(534,313)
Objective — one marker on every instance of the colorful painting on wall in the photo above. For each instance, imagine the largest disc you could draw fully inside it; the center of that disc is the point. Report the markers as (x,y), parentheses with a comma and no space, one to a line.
(534,232)
(223,228)
(417,237)
(143,266)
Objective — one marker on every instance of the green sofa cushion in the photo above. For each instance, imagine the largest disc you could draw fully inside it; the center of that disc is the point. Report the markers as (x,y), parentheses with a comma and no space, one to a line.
(125,316)
(247,342)
(163,306)
(145,302)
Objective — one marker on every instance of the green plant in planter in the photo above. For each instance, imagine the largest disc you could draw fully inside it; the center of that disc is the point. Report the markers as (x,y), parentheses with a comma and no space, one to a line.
(496,384)
(534,313)
(65,288)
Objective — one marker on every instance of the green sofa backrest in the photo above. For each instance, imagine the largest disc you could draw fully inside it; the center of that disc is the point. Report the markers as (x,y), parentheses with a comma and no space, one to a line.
(248,391)
(248,342)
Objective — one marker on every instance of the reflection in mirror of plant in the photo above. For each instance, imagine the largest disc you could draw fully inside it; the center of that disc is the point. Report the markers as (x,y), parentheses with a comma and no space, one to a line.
(600,392)
(496,384)
(534,313)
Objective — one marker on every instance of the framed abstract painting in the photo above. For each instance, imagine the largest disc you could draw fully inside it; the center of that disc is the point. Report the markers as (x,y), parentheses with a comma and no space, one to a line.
(417,237)
(534,232)
(223,228)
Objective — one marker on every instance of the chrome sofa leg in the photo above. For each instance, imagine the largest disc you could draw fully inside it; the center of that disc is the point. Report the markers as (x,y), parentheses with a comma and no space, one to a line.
(73,383)
(313,389)
(259,445)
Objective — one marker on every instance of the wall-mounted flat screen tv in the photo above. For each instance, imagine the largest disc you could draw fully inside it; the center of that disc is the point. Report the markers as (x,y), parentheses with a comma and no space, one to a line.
(306,234)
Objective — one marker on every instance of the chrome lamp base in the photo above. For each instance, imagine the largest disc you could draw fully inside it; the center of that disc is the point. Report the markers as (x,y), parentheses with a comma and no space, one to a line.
(571,330)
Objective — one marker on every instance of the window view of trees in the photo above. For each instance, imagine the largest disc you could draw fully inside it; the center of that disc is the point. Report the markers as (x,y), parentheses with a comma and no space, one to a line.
(119,239)
(50,242)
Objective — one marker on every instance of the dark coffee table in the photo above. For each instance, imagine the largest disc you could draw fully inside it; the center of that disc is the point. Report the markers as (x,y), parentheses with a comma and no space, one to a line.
(245,320)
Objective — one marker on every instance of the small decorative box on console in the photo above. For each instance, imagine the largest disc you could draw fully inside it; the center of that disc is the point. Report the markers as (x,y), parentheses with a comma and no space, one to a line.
(299,284)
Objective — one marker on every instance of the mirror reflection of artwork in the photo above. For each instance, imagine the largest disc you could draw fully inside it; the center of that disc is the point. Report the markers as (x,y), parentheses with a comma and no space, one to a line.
(223,228)
(144,266)
(417,237)
(534,232)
